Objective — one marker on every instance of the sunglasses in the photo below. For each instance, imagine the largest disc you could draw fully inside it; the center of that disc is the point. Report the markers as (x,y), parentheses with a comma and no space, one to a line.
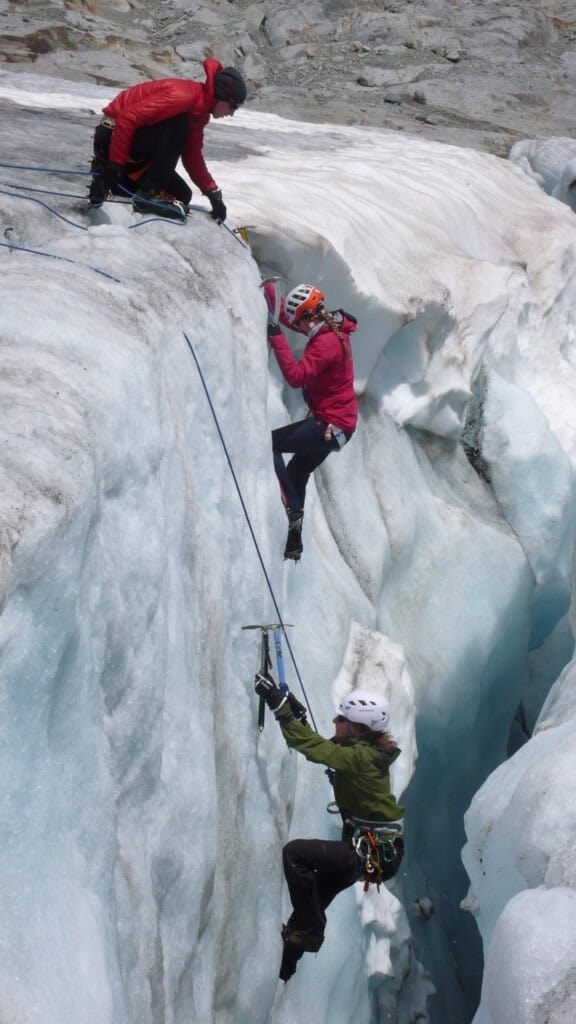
(308,314)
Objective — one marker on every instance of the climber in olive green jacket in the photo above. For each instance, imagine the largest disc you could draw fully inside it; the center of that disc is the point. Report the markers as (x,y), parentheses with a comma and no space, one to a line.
(360,755)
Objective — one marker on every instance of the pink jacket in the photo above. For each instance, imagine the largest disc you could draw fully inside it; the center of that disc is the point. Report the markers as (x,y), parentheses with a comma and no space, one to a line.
(324,372)
(152,102)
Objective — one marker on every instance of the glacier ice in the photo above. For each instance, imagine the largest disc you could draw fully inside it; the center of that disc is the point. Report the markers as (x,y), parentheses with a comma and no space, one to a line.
(143,815)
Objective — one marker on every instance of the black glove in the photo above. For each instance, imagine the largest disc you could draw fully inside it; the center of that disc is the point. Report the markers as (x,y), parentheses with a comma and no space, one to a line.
(266,687)
(273,328)
(217,204)
(112,174)
(298,709)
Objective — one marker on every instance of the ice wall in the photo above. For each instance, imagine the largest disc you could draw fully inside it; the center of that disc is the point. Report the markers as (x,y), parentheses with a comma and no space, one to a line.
(520,860)
(144,815)
(551,163)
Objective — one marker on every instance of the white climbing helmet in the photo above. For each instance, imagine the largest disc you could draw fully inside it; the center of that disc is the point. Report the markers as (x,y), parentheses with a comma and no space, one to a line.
(366,708)
(302,301)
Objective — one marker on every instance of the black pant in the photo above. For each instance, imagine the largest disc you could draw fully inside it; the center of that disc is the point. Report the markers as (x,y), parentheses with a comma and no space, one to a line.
(316,871)
(155,150)
(306,439)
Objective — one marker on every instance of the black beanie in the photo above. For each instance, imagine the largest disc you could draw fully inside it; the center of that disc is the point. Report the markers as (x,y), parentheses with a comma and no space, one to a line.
(230,86)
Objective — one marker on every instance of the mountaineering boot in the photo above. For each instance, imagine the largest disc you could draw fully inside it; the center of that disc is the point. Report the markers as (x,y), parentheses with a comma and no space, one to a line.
(294,546)
(291,954)
(98,191)
(305,940)
(159,204)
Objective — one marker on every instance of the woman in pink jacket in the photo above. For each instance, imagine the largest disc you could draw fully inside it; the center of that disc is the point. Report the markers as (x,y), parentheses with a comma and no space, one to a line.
(147,128)
(326,373)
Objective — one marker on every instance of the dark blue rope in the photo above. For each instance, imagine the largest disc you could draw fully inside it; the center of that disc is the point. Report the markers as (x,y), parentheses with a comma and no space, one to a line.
(182,218)
(44,191)
(94,174)
(66,259)
(32,199)
(247,517)
(47,170)
(234,235)
(65,195)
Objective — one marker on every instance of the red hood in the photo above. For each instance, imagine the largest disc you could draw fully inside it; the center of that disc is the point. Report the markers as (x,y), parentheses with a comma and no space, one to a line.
(345,324)
(349,326)
(210,66)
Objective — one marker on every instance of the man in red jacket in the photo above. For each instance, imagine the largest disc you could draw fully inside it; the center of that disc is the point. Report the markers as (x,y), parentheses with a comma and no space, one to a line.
(145,131)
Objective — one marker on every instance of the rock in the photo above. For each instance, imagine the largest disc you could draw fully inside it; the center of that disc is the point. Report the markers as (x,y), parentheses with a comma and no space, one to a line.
(255,68)
(194,51)
(423,907)
(308,59)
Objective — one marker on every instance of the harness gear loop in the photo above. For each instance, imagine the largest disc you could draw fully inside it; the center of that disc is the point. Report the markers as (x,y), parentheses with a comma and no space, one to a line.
(375,845)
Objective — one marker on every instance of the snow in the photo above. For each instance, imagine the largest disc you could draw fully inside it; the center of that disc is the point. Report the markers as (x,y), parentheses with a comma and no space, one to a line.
(143,815)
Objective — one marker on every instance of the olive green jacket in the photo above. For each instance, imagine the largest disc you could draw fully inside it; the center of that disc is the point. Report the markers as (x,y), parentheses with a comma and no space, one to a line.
(361,771)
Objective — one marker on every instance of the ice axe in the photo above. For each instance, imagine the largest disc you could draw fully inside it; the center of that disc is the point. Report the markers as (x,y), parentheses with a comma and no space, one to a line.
(273,311)
(265,661)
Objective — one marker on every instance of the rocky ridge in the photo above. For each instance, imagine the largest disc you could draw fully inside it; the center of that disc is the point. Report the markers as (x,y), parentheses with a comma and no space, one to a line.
(483,75)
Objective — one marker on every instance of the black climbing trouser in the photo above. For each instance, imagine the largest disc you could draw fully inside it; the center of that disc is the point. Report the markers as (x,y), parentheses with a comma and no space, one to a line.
(306,440)
(316,871)
(154,154)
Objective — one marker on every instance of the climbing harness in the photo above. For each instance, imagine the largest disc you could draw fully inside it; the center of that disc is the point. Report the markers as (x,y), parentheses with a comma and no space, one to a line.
(337,433)
(379,847)
(277,629)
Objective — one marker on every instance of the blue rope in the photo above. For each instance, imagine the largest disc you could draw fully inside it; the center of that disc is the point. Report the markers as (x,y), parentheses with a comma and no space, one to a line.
(65,195)
(31,199)
(95,174)
(66,259)
(46,170)
(44,191)
(247,517)
(182,218)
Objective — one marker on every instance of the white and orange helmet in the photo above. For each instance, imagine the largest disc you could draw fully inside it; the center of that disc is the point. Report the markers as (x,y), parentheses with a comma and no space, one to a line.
(302,303)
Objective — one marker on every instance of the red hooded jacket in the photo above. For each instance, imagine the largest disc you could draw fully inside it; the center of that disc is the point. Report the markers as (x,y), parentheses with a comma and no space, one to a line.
(324,372)
(152,102)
